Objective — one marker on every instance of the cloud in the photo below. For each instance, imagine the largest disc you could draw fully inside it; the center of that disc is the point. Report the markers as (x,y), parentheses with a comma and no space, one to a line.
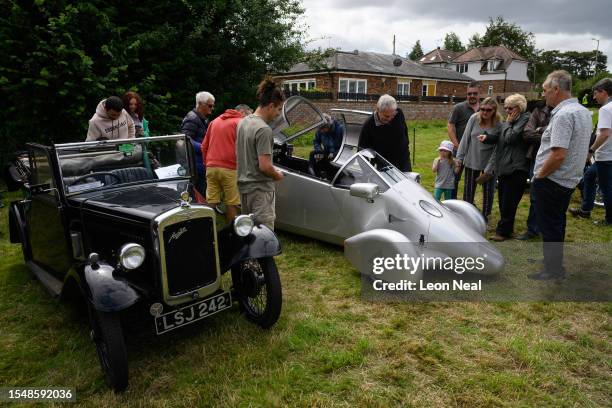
(362,24)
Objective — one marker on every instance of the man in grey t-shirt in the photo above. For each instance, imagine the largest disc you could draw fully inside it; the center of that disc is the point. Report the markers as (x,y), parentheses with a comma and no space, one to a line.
(558,168)
(254,142)
(458,120)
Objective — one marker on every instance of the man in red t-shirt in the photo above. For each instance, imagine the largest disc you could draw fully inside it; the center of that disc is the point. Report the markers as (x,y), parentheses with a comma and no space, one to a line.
(219,155)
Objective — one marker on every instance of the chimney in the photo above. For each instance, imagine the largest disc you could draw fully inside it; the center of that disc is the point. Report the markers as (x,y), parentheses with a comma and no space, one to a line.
(356,52)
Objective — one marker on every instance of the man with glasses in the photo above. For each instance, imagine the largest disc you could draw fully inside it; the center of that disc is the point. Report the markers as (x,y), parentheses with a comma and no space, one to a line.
(458,120)
(194,126)
(558,168)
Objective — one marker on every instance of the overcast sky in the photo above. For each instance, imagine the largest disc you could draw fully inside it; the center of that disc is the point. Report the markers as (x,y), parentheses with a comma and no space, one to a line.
(369,25)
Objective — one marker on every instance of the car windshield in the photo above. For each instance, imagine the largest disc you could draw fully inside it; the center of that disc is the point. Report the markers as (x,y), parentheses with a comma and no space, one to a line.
(391,174)
(97,165)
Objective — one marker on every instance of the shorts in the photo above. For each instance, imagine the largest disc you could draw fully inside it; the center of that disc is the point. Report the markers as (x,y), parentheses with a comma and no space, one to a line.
(261,205)
(221,180)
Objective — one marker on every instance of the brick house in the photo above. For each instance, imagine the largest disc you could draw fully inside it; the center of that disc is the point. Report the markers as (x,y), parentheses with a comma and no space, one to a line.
(498,69)
(439,58)
(355,75)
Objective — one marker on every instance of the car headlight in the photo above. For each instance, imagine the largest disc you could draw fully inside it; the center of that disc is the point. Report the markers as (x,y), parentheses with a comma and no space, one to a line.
(131,256)
(430,209)
(243,225)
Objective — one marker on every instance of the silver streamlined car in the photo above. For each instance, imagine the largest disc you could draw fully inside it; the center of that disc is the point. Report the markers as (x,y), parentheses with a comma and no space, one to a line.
(364,202)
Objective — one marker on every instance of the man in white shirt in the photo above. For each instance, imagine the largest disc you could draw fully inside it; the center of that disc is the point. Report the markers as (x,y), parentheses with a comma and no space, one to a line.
(558,168)
(602,147)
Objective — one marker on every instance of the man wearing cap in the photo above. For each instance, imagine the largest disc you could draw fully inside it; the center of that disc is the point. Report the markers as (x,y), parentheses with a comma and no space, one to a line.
(327,143)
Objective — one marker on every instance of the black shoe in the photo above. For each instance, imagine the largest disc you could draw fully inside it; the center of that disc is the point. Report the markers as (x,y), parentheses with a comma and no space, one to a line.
(546,275)
(577,212)
(526,236)
(602,223)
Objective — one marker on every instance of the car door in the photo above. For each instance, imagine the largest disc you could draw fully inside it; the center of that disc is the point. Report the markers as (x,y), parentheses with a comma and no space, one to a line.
(45,227)
(305,206)
(357,213)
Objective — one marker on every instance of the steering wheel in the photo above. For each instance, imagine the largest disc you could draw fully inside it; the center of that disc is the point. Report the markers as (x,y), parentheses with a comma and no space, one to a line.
(98,175)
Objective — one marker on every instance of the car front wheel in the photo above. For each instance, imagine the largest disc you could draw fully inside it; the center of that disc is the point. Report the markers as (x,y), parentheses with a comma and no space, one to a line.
(258,289)
(107,334)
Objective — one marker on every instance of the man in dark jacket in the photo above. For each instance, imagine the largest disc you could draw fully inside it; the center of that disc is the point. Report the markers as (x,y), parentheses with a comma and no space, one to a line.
(386,132)
(532,134)
(327,143)
(194,126)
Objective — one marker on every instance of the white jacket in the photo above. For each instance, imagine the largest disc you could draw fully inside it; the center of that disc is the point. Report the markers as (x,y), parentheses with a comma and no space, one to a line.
(100,125)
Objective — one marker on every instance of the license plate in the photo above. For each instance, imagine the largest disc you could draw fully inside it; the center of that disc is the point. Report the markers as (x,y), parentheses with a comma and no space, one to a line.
(192,313)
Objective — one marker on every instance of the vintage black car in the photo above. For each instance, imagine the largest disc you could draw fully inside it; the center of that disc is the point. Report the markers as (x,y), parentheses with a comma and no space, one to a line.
(115,222)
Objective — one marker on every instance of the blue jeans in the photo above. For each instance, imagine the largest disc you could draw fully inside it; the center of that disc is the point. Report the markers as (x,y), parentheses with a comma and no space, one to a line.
(589,188)
(532,225)
(604,174)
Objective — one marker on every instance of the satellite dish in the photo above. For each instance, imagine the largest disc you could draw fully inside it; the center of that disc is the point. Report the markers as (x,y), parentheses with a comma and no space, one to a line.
(397,62)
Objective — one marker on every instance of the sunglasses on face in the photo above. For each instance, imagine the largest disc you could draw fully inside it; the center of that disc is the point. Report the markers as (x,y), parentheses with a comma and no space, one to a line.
(509,107)
(487,110)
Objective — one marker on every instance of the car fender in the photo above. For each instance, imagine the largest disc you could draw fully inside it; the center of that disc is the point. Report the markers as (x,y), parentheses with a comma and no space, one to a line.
(260,243)
(469,213)
(105,292)
(365,250)
(16,224)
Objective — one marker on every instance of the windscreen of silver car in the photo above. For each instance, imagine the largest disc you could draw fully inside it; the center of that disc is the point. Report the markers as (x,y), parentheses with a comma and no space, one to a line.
(389,172)
(357,171)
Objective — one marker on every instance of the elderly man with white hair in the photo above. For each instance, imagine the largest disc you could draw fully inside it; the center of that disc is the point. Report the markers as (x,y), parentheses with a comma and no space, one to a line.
(194,125)
(386,132)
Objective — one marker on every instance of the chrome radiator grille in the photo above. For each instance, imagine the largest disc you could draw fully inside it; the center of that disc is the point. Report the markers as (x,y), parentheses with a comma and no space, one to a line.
(190,256)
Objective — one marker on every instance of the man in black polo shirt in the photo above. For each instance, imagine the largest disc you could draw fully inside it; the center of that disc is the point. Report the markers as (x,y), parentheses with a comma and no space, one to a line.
(386,132)
(458,120)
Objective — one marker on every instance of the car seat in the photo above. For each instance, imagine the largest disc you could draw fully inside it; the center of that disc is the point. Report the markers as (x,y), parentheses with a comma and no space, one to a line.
(132,174)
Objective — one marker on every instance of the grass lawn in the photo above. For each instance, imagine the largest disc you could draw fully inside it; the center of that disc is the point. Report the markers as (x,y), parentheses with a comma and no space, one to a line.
(329,348)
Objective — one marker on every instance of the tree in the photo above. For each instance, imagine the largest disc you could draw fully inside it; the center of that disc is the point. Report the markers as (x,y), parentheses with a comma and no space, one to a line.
(453,43)
(474,41)
(510,35)
(580,64)
(61,58)
(417,51)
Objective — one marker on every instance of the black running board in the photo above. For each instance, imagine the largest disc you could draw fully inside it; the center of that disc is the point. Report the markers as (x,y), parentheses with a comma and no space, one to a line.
(52,284)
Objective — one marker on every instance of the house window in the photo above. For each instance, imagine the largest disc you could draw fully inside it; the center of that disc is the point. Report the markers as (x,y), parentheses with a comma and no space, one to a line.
(490,90)
(461,68)
(492,65)
(297,85)
(352,86)
(403,88)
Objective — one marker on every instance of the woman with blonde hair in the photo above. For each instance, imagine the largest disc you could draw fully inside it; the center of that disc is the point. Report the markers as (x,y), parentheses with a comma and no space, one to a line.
(509,163)
(475,155)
